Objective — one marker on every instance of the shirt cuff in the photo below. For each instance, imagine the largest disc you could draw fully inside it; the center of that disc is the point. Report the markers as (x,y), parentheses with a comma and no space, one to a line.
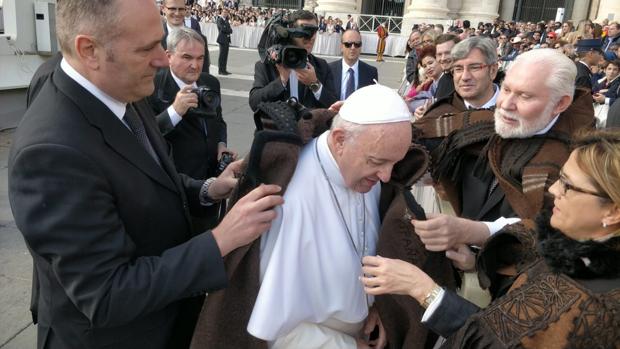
(500,223)
(317,94)
(433,306)
(175,118)
(606,100)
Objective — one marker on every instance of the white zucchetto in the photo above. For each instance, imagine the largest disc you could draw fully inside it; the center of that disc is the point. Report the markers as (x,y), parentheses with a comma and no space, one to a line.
(375,104)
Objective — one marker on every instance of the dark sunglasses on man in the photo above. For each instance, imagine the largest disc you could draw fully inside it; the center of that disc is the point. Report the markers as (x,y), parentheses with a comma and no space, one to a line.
(357,44)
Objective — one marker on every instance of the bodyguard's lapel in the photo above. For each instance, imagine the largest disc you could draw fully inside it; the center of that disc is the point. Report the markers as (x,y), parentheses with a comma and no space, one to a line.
(116,135)
(338,78)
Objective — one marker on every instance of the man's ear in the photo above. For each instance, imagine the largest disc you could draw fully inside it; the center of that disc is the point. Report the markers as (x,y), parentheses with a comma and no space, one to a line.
(562,105)
(337,138)
(87,51)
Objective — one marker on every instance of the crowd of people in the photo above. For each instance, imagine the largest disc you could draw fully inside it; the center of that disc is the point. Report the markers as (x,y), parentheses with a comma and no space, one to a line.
(596,46)
(117,183)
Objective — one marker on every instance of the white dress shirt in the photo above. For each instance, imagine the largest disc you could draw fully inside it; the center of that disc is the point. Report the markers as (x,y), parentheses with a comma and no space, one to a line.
(345,77)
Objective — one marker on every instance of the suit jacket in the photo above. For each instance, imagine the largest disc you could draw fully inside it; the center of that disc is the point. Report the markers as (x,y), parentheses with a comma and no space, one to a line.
(196,26)
(194,148)
(224,30)
(366,75)
(613,115)
(108,229)
(584,76)
(268,87)
(445,86)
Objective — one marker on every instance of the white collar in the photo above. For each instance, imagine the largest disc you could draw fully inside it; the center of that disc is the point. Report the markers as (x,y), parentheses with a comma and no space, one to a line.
(115,106)
(170,28)
(586,64)
(326,158)
(180,82)
(549,126)
(345,66)
(490,103)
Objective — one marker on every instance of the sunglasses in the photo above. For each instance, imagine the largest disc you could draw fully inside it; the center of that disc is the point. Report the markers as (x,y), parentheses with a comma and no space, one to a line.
(357,44)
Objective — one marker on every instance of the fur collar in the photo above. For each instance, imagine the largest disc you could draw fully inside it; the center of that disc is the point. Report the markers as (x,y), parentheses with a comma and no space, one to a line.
(581,260)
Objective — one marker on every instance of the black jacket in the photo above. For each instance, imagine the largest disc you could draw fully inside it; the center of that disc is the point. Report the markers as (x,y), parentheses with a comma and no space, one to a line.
(194,148)
(584,76)
(108,229)
(268,87)
(224,30)
(367,73)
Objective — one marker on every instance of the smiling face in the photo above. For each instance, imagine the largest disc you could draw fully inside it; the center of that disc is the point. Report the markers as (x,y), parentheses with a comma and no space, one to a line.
(431,66)
(175,11)
(444,55)
(575,213)
(368,157)
(474,85)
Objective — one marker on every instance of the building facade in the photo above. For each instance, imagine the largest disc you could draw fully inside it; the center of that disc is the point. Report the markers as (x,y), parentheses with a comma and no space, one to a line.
(446,11)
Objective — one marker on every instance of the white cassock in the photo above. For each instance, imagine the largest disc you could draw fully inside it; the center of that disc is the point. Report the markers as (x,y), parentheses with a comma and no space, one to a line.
(310,294)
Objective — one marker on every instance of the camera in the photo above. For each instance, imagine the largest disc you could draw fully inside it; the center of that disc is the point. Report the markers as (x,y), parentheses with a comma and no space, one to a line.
(208,101)
(275,45)
(226,159)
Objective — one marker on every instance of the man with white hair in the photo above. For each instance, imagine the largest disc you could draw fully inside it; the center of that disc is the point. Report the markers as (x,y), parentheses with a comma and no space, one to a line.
(496,166)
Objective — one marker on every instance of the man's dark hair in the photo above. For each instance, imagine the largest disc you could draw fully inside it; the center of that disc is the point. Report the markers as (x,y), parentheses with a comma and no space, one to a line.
(445,38)
(466,24)
(302,14)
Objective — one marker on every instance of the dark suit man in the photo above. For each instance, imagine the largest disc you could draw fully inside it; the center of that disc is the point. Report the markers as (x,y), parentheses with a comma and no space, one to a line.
(589,53)
(223,39)
(175,12)
(311,85)
(103,211)
(349,73)
(196,134)
(40,76)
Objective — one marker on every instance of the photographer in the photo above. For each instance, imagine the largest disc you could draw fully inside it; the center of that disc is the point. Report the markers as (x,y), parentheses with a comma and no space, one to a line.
(195,129)
(311,85)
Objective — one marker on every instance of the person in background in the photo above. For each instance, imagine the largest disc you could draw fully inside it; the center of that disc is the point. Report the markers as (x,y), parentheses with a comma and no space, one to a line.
(223,39)
(350,73)
(382,33)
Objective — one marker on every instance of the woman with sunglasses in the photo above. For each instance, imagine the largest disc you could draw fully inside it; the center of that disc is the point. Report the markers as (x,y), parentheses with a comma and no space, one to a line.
(566,289)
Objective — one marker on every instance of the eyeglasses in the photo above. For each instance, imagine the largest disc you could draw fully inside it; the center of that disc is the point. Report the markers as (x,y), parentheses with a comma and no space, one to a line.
(175,9)
(472,68)
(565,186)
(357,44)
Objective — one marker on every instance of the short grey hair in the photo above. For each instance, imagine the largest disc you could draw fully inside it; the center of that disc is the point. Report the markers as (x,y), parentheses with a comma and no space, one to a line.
(180,34)
(98,18)
(562,70)
(485,45)
(352,129)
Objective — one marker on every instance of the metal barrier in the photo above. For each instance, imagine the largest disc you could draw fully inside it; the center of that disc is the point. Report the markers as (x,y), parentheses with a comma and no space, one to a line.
(370,23)
(287,4)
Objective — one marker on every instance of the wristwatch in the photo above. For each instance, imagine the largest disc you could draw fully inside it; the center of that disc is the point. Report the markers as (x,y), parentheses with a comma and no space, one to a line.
(431,296)
(315,86)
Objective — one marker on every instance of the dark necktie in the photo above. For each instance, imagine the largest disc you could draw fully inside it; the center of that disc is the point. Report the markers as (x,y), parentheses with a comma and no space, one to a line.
(350,88)
(137,127)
